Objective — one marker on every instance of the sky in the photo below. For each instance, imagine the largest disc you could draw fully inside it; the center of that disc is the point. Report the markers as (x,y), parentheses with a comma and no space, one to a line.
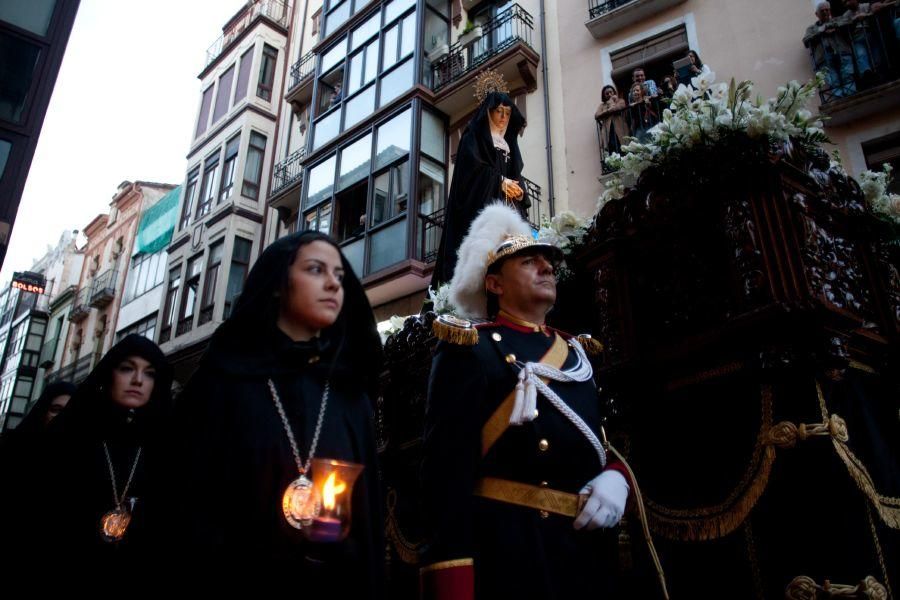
(123,109)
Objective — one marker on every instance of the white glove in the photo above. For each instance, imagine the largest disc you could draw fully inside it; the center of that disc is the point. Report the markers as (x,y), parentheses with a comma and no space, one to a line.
(607,492)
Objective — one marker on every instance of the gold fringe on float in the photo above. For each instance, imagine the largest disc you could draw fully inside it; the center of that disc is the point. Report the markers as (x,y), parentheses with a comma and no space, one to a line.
(707,523)
(888,507)
(805,588)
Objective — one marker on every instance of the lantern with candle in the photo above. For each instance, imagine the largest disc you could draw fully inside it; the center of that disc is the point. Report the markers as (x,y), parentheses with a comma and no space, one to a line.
(333,481)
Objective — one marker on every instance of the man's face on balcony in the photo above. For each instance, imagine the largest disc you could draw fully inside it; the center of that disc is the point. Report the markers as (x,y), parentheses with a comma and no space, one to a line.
(824,13)
(639,76)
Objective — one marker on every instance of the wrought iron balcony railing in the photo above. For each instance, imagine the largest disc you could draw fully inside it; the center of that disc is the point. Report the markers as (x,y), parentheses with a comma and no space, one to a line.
(513,25)
(302,70)
(631,121)
(184,325)
(536,211)
(274,10)
(855,55)
(81,306)
(74,372)
(601,7)
(104,288)
(432,230)
(289,171)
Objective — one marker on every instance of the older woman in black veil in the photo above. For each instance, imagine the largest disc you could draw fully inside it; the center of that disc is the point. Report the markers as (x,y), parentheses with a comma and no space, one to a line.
(488,168)
(92,472)
(290,376)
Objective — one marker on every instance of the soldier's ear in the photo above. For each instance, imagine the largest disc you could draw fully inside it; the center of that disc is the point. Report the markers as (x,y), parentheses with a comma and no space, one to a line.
(493,283)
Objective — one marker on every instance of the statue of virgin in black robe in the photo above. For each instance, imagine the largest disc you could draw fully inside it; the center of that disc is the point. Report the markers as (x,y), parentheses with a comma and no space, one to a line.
(232,459)
(487,157)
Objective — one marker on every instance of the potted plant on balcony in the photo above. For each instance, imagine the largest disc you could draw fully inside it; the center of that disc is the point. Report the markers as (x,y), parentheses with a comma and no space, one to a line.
(439,47)
(470,33)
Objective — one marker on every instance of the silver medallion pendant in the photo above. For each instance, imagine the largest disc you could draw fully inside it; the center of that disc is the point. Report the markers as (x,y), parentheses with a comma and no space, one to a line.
(114,524)
(301,503)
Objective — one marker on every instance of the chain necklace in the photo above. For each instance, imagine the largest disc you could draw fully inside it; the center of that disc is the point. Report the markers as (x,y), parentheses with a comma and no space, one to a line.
(114,524)
(300,503)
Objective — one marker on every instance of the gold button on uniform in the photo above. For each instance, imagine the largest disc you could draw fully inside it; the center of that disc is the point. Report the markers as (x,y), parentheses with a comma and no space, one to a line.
(543,445)
(496,336)
(510,358)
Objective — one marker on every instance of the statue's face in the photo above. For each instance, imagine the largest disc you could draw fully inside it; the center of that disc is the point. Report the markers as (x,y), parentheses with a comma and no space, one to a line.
(500,117)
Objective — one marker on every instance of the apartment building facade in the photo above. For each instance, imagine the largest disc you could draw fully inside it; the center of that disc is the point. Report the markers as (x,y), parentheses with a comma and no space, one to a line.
(95,306)
(223,208)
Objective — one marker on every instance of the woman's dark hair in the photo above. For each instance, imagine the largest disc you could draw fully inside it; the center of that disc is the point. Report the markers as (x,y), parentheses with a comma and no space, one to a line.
(697,62)
(607,87)
(242,339)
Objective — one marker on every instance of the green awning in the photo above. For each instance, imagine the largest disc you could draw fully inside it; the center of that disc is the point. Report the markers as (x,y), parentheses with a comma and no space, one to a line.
(157,224)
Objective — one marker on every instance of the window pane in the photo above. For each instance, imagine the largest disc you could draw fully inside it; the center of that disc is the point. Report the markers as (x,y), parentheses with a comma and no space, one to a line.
(393,139)
(355,160)
(321,181)
(33,15)
(432,135)
(355,79)
(205,104)
(360,107)
(431,187)
(391,38)
(396,82)
(388,246)
(354,253)
(17,61)
(325,218)
(223,99)
(327,128)
(396,8)
(337,17)
(442,6)
(243,76)
(391,194)
(4,155)
(371,61)
(335,55)
(408,35)
(365,31)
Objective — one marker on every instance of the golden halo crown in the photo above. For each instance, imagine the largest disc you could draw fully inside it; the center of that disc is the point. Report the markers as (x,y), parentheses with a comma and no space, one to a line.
(489,81)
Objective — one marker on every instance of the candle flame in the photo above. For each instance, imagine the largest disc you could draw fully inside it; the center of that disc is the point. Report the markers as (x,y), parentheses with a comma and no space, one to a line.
(330,491)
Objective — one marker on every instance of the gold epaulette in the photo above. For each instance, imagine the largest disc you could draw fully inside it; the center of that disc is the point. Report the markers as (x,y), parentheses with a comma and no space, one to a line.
(591,346)
(454,330)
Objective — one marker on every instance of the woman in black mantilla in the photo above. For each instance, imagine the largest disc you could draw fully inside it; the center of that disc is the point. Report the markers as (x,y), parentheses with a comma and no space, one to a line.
(302,336)
(488,168)
(95,469)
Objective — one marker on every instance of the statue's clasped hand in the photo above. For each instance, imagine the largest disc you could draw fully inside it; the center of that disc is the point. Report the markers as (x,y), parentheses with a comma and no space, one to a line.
(512,189)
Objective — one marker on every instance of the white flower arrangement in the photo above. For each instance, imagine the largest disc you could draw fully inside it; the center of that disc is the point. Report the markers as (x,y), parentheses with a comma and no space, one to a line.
(874,187)
(565,231)
(706,112)
(440,299)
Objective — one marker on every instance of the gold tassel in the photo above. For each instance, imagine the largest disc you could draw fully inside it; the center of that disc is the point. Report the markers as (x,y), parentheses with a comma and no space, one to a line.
(454,330)
(591,346)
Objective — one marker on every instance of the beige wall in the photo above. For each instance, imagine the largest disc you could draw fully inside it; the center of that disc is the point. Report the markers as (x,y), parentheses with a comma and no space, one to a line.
(761,41)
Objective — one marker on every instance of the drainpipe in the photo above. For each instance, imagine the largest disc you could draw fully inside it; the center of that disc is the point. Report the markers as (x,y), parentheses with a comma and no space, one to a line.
(552,199)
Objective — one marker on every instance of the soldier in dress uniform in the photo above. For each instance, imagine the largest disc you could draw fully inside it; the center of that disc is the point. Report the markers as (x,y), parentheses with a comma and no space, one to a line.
(520,497)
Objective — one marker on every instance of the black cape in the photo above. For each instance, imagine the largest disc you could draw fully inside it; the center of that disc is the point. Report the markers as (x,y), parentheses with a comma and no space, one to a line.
(477,174)
(231,457)
(71,482)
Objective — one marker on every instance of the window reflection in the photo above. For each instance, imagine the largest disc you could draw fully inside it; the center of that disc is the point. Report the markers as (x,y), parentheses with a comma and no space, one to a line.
(393,139)
(390,194)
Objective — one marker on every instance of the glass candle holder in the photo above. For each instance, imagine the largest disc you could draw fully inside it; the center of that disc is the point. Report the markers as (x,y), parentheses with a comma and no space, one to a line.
(333,481)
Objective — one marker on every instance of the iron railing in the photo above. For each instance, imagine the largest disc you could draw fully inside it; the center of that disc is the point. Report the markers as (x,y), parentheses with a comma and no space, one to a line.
(288,171)
(206,315)
(536,211)
(432,230)
(165,334)
(302,70)
(855,55)
(184,325)
(509,27)
(274,10)
(81,306)
(103,289)
(601,7)
(74,372)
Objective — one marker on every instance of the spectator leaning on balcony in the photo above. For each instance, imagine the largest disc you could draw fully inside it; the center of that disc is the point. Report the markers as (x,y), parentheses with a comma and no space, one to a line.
(831,51)
(641,115)
(610,116)
(649,86)
(866,42)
